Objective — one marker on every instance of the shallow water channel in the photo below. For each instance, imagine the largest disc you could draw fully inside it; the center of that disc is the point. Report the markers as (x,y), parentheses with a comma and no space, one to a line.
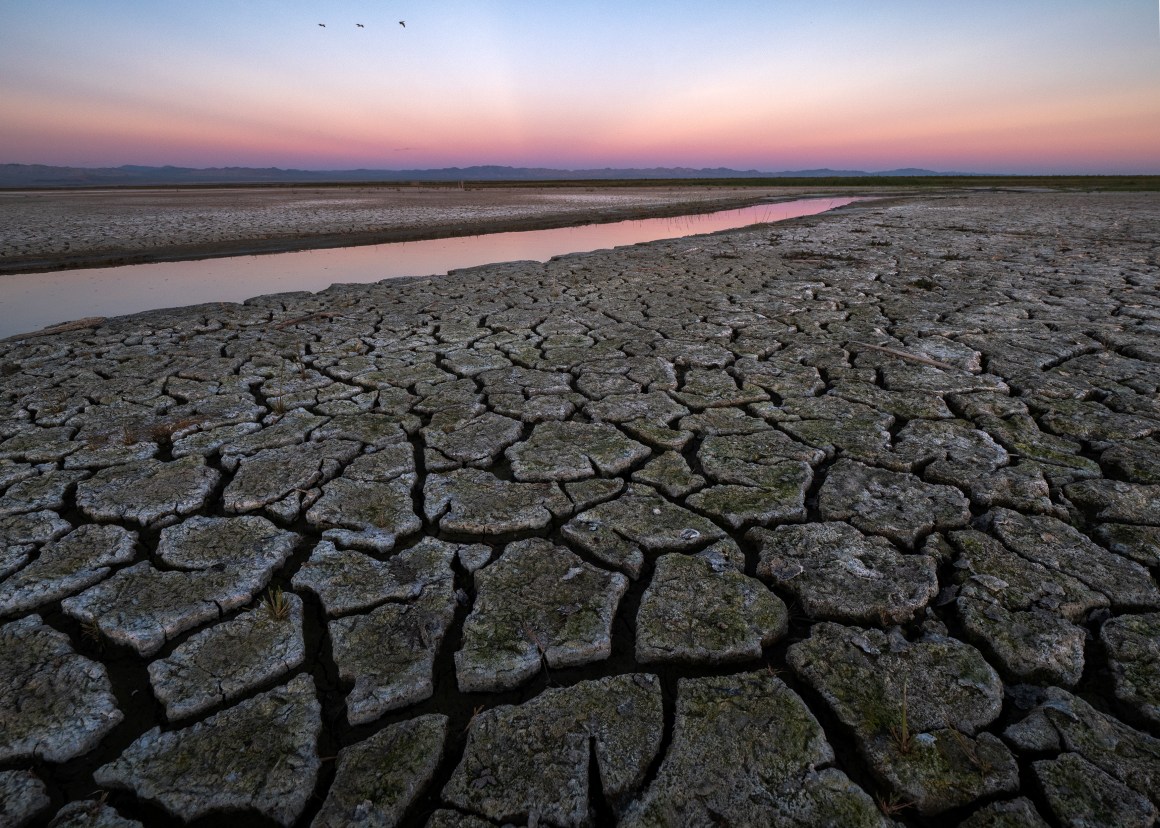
(34,300)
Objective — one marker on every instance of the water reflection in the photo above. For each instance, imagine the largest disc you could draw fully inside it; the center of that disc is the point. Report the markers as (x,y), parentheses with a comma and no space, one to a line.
(32,301)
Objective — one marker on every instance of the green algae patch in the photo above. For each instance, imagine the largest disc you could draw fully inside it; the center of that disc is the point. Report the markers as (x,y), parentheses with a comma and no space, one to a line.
(538,604)
(745,751)
(698,610)
(532,761)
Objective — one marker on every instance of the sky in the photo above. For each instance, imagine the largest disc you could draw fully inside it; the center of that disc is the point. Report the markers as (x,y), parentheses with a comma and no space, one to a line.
(1002,86)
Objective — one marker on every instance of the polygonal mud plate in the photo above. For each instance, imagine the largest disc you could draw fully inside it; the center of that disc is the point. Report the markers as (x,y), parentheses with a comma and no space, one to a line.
(696,610)
(535,758)
(148,491)
(744,752)
(55,705)
(378,778)
(259,755)
(228,659)
(838,574)
(537,604)
(346,581)
(899,506)
(80,559)
(574,451)
(474,502)
(22,797)
(389,653)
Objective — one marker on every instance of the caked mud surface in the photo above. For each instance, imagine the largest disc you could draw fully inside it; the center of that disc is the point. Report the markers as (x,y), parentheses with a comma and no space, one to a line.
(58,229)
(845,521)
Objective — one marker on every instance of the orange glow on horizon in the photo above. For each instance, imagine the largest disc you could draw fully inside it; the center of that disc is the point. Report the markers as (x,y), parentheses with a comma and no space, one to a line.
(774,87)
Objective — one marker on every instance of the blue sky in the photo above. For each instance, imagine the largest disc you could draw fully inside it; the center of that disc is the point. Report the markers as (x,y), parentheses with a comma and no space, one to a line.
(985,86)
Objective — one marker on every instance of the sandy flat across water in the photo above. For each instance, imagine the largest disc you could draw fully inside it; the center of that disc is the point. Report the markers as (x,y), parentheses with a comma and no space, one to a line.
(57,229)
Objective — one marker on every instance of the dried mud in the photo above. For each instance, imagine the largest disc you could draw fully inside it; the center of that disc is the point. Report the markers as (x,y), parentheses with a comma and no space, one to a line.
(850,520)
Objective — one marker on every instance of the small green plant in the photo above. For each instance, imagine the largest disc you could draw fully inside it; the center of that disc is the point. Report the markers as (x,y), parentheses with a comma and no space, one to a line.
(277,403)
(300,361)
(900,734)
(276,604)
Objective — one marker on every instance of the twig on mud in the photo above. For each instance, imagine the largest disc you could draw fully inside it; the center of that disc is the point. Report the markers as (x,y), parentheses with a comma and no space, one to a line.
(475,711)
(969,750)
(903,355)
(892,805)
(537,640)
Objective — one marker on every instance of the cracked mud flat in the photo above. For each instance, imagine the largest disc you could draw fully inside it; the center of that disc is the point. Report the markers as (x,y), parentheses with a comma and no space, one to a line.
(852,520)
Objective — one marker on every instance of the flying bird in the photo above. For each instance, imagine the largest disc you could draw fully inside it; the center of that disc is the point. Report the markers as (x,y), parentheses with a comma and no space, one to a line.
(403,23)
(323,25)
(360,25)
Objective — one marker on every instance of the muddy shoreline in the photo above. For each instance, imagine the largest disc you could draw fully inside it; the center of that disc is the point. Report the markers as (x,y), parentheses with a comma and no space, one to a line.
(48,231)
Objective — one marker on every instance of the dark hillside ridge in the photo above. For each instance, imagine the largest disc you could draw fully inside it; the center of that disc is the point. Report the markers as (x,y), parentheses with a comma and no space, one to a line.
(41,175)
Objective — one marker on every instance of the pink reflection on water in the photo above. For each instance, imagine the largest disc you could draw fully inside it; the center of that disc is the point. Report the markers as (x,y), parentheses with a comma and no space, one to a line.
(32,301)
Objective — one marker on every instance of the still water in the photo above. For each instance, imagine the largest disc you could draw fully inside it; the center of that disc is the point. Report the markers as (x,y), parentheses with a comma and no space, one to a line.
(34,300)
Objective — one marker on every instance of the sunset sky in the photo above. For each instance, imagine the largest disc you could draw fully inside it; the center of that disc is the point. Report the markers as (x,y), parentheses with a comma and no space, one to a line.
(1033,86)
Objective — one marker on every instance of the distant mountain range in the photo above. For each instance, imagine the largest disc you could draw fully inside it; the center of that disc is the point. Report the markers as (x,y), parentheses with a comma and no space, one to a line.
(40,175)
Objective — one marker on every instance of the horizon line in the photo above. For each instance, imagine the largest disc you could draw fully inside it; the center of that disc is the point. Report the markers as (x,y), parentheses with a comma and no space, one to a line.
(838,172)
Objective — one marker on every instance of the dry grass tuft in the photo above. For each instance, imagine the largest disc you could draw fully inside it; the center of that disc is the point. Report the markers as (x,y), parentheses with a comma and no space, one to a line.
(276,604)
(900,734)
